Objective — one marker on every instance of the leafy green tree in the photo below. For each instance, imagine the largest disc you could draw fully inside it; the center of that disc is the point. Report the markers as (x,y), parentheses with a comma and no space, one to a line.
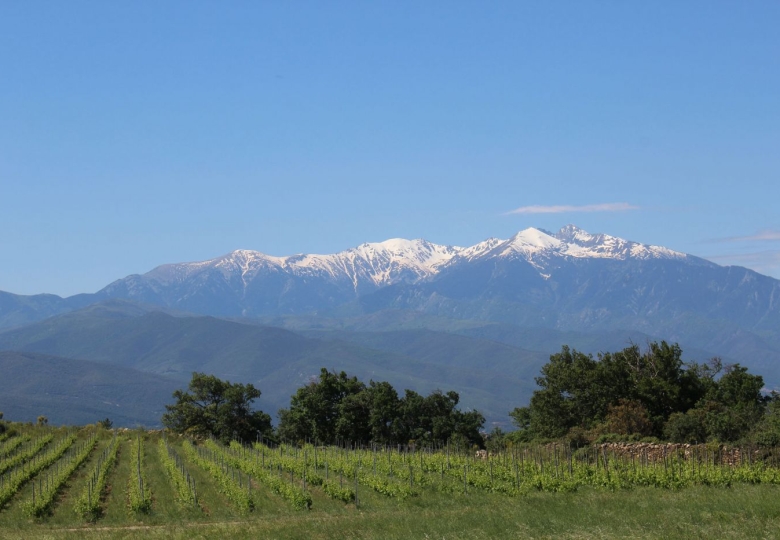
(730,409)
(216,407)
(336,407)
(315,408)
(688,427)
(660,381)
(576,390)
(628,417)
(521,418)
(354,420)
(385,406)
(435,418)
(767,432)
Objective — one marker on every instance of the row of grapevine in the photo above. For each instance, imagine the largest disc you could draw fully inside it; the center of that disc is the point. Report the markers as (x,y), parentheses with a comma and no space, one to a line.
(183,483)
(407,472)
(27,451)
(299,497)
(308,474)
(11,481)
(9,447)
(88,504)
(235,485)
(399,483)
(139,494)
(51,480)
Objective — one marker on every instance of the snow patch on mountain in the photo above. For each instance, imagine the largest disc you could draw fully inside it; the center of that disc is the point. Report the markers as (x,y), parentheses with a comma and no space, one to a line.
(397,260)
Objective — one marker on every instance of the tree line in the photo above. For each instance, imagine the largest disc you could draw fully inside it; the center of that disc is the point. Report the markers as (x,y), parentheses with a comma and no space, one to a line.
(331,409)
(631,394)
(634,394)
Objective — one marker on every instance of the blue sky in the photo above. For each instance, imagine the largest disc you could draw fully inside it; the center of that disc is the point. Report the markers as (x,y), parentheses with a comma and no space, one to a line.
(139,133)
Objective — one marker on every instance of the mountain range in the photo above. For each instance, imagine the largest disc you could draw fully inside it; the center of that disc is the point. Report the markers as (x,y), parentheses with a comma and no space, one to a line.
(417,313)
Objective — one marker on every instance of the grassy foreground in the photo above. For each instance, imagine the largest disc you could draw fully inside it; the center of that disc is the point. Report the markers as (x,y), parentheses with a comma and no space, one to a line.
(743,510)
(700,512)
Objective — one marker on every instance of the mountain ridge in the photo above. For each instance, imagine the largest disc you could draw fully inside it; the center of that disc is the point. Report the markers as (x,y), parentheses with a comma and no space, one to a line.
(570,280)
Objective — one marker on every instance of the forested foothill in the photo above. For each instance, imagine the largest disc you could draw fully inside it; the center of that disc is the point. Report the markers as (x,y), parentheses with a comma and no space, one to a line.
(648,395)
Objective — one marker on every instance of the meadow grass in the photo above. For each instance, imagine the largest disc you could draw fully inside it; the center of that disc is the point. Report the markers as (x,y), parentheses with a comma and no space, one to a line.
(739,511)
(744,511)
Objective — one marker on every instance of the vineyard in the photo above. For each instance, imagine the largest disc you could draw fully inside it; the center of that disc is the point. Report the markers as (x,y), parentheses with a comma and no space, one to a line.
(86,479)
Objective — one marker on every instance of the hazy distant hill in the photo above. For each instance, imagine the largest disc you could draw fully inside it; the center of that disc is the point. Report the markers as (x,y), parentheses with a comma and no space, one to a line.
(276,360)
(69,391)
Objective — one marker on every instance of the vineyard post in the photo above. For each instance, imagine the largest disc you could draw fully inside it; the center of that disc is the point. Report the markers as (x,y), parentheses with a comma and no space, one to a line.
(664,456)
(356,489)
(522,461)
(140,478)
(571,453)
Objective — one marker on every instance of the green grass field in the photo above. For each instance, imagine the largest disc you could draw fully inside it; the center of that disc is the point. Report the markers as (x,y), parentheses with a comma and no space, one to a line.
(435,505)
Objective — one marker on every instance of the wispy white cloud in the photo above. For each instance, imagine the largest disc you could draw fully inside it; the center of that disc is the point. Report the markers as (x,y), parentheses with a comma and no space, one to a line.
(767,235)
(568,208)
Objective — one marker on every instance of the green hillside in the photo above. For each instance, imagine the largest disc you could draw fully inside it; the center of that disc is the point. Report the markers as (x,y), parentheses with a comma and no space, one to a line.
(278,361)
(69,391)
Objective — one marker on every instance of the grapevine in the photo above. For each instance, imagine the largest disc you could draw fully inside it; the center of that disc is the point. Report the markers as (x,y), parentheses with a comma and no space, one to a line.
(88,504)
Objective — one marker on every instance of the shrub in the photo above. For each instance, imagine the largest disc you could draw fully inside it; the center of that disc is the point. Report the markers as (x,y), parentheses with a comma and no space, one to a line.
(689,427)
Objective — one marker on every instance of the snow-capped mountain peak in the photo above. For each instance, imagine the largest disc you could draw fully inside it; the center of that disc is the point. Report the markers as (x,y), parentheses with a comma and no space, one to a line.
(531,241)
(374,265)
(583,244)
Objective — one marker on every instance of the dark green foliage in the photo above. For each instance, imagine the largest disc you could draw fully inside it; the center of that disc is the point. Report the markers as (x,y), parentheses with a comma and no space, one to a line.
(767,432)
(634,393)
(213,407)
(315,409)
(435,418)
(336,407)
(106,423)
(689,427)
